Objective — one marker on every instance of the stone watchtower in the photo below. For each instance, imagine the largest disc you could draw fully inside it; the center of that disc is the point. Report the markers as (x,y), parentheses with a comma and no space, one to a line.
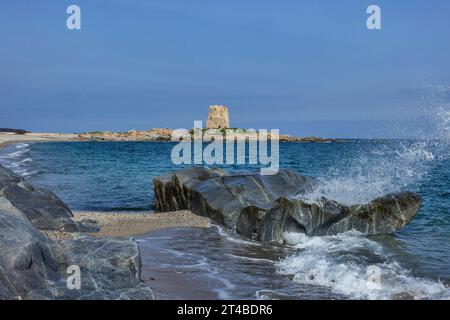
(218,117)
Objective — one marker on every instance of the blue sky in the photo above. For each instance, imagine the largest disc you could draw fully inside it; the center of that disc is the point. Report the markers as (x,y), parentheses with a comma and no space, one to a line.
(306,67)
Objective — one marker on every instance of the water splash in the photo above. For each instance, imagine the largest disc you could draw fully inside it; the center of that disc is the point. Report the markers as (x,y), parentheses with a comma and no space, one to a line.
(439,110)
(355,266)
(342,262)
(383,168)
(391,165)
(15,158)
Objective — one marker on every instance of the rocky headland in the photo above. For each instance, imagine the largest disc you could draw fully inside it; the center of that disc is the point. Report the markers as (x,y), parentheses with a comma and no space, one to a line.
(166,135)
(217,126)
(151,135)
(263,208)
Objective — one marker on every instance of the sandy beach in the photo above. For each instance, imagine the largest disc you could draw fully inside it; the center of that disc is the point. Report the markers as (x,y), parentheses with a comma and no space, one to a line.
(6,138)
(128,224)
(112,224)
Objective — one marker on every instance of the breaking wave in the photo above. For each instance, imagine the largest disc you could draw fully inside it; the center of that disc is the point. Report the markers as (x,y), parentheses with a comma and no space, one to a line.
(350,263)
(16,159)
(385,168)
(355,266)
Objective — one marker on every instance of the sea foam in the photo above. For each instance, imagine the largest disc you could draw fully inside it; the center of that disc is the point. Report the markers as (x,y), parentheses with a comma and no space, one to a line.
(374,172)
(355,266)
(16,158)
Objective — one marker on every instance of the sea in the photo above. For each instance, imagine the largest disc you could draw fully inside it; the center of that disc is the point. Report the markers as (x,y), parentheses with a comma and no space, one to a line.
(212,263)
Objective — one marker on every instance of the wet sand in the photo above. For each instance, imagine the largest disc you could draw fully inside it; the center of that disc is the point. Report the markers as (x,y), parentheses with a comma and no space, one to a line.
(210,263)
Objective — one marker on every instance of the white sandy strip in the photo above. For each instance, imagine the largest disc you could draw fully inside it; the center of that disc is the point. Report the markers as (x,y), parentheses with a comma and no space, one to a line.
(6,138)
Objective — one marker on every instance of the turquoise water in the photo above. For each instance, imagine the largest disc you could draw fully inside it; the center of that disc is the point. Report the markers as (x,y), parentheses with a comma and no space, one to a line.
(118,176)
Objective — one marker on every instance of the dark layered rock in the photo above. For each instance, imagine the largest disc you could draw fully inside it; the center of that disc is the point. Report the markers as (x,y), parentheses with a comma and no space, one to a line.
(41,207)
(237,201)
(383,215)
(110,269)
(34,267)
(265,207)
(26,261)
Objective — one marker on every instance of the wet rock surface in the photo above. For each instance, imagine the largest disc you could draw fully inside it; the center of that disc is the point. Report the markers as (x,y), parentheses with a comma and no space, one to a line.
(265,207)
(34,267)
(41,207)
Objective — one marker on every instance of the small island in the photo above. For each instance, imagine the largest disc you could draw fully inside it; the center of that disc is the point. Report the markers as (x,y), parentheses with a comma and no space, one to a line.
(218,119)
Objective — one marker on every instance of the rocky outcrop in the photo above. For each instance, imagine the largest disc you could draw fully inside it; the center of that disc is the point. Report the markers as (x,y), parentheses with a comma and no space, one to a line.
(265,207)
(383,215)
(235,201)
(289,138)
(154,135)
(164,134)
(218,117)
(110,269)
(26,261)
(41,207)
(35,267)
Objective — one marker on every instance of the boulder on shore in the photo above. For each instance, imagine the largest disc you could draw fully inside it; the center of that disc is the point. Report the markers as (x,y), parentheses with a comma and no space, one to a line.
(41,207)
(265,207)
(383,215)
(35,267)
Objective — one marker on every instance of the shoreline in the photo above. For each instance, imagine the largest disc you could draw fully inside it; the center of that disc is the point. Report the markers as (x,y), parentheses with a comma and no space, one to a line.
(8,139)
(131,223)
(112,224)
(148,228)
(153,135)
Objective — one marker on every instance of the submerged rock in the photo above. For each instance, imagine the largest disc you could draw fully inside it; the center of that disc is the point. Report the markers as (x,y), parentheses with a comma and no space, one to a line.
(41,207)
(265,207)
